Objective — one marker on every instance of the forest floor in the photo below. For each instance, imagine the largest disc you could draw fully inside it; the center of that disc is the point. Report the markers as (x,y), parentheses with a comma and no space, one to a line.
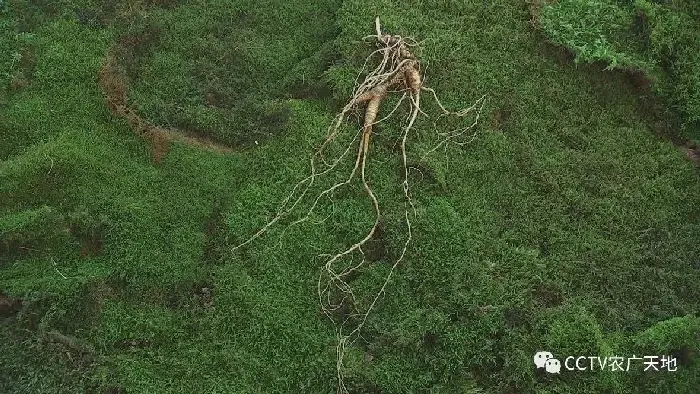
(142,141)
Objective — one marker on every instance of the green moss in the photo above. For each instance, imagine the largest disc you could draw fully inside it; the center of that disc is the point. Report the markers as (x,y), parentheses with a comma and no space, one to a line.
(657,39)
(229,83)
(565,224)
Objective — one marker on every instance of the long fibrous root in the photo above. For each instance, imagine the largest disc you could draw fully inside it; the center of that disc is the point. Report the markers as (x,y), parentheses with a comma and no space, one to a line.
(398,70)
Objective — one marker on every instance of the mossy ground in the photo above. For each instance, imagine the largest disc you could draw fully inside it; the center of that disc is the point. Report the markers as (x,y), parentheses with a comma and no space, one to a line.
(567,225)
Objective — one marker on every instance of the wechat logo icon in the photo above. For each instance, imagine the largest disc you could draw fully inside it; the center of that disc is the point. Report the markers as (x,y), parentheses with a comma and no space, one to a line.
(547,361)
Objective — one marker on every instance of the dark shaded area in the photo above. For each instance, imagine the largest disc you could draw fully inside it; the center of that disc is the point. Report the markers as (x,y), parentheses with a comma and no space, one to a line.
(517,317)
(377,249)
(136,40)
(11,250)
(33,310)
(500,118)
(425,176)
(9,306)
(358,386)
(132,344)
(31,14)
(429,341)
(548,294)
(216,249)
(114,390)
(191,296)
(89,230)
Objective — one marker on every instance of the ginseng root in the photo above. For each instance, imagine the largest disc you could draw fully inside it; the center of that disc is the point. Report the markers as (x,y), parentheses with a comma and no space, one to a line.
(398,70)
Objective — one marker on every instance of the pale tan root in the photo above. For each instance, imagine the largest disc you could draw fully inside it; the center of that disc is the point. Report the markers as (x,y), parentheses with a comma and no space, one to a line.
(452,135)
(284,209)
(329,191)
(411,78)
(364,92)
(398,67)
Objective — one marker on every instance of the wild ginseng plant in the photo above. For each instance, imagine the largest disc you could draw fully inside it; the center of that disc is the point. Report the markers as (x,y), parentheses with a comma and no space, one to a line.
(398,71)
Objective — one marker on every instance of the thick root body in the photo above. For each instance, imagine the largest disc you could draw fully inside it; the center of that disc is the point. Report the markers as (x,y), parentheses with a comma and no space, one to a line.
(398,70)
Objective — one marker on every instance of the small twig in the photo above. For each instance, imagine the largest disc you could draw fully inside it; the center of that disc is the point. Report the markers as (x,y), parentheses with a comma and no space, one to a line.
(55,266)
(50,158)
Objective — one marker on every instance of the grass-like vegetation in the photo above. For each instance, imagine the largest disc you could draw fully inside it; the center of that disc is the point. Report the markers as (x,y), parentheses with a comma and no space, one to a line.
(569,224)
(655,38)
